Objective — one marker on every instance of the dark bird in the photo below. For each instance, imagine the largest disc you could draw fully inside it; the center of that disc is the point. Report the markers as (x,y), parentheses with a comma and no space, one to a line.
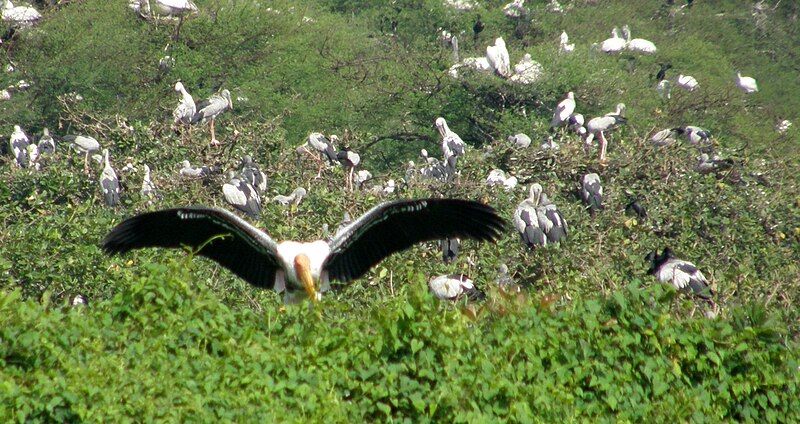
(538,221)
(450,247)
(478,27)
(454,287)
(635,208)
(662,73)
(242,195)
(683,275)
(292,267)
(251,173)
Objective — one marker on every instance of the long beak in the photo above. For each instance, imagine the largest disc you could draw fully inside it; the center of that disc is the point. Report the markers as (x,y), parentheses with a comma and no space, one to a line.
(303,271)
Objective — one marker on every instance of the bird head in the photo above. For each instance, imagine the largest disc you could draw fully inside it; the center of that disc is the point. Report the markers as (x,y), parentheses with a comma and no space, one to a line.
(441,125)
(179,86)
(227,96)
(535,193)
(302,268)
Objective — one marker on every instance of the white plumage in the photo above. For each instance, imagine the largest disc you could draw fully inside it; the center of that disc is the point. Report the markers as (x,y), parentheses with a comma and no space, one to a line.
(520,140)
(615,44)
(638,45)
(109,183)
(176,7)
(186,108)
(563,43)
(497,56)
(563,111)
(687,82)
(18,143)
(20,15)
(746,84)
(453,287)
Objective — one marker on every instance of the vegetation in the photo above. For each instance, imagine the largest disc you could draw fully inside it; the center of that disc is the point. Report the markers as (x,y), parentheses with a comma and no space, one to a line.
(590,336)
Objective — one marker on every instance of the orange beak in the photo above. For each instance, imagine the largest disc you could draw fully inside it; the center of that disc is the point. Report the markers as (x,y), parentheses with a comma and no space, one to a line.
(302,267)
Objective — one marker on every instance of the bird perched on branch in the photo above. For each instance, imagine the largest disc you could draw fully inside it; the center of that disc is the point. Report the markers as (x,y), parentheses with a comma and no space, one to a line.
(292,267)
(109,183)
(454,287)
(209,109)
(592,192)
(538,221)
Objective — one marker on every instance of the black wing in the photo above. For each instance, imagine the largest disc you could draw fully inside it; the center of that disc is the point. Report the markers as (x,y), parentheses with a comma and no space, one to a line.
(395,226)
(245,250)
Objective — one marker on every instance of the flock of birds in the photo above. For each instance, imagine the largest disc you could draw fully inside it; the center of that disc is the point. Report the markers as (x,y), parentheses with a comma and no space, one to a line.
(306,269)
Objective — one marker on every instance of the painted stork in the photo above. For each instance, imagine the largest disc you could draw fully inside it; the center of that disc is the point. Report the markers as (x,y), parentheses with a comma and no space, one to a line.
(563,111)
(746,84)
(450,248)
(538,221)
(83,144)
(186,109)
(176,8)
(187,170)
(109,183)
(563,43)
(666,137)
(615,44)
(696,135)
(349,160)
(597,127)
(292,267)
(520,140)
(638,45)
(209,109)
(686,82)
(592,192)
(148,190)
(498,58)
(47,145)
(683,275)
(20,16)
(294,198)
(453,146)
(515,9)
(19,147)
(242,195)
(526,71)
(251,173)
(322,145)
(454,287)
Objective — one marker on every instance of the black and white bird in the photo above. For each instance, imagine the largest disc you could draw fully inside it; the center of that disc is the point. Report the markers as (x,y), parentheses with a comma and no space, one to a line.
(708,164)
(592,192)
(186,109)
(293,267)
(187,170)
(349,161)
(597,127)
(83,144)
(563,111)
(520,140)
(696,135)
(251,173)
(450,248)
(18,143)
(209,109)
(454,287)
(318,144)
(538,221)
(109,183)
(666,137)
(683,275)
(242,195)
(47,146)
(453,146)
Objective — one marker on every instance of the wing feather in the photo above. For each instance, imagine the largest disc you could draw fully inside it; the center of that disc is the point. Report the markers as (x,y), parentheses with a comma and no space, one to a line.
(395,226)
(244,249)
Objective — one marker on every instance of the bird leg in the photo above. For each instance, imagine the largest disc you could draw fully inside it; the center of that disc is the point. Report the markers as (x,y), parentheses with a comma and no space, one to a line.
(86,163)
(350,181)
(214,141)
(603,145)
(176,34)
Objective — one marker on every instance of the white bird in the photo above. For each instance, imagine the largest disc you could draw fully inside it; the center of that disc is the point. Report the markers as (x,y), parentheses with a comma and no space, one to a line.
(349,160)
(696,135)
(321,145)
(186,109)
(187,170)
(666,137)
(597,127)
(549,144)
(83,144)
(711,164)
(563,111)
(526,71)
(683,275)
(209,109)
(362,176)
(294,267)
(148,190)
(453,287)
(294,198)
(639,45)
(664,89)
(498,178)
(575,121)
(592,192)
(19,147)
(563,44)
(33,156)
(176,7)
(453,146)
(746,84)
(615,44)
(515,9)
(22,16)
(520,140)
(390,186)
(109,183)
(783,126)
(510,183)
(498,58)
(538,221)
(687,82)
(242,195)
(555,7)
